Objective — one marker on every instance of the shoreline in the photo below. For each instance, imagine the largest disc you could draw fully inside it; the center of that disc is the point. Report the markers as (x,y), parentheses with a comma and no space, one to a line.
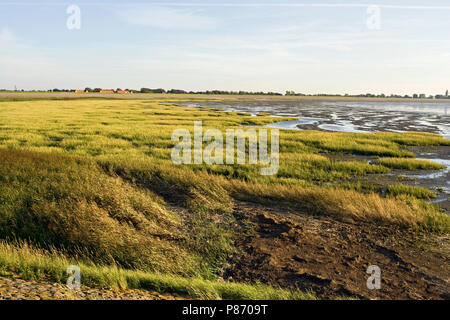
(143,96)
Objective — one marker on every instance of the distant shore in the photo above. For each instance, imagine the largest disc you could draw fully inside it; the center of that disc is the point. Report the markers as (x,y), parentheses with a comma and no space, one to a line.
(138,96)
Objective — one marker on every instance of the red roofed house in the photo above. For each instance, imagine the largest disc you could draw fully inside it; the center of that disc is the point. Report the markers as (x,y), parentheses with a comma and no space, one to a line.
(106,91)
(123,91)
(79,91)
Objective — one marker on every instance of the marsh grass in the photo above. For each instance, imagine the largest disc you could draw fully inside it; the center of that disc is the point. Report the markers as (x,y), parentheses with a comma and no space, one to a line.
(410,164)
(414,191)
(70,204)
(93,180)
(128,135)
(347,205)
(36,264)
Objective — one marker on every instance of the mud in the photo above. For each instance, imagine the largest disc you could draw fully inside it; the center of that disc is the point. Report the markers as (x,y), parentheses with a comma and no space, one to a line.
(297,251)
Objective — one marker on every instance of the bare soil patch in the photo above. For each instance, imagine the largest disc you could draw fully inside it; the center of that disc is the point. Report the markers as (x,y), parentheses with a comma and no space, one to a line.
(297,251)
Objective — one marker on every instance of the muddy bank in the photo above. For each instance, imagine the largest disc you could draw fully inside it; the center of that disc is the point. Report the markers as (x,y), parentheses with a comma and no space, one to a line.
(297,251)
(438,181)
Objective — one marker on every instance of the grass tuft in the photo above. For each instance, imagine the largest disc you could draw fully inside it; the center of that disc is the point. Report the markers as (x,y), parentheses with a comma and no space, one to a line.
(410,164)
(34,264)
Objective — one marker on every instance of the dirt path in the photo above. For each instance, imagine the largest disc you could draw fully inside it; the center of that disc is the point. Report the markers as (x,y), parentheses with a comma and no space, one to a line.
(331,258)
(14,288)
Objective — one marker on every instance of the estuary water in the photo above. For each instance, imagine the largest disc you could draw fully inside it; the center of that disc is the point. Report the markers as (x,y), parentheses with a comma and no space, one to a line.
(349,116)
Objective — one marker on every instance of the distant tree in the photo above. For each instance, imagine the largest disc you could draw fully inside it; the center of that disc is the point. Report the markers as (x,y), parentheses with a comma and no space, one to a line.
(88,89)
(176,91)
(148,90)
(446,93)
(415,96)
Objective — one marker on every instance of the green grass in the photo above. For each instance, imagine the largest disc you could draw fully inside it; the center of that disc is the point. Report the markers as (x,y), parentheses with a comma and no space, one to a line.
(36,264)
(93,180)
(395,190)
(348,205)
(417,192)
(211,193)
(141,130)
(410,164)
(69,203)
(133,134)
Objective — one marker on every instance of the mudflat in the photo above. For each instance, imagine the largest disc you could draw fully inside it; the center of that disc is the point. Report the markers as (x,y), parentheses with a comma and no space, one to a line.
(297,251)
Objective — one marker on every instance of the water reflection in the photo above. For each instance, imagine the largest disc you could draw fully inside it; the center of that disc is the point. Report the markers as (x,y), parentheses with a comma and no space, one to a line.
(350,116)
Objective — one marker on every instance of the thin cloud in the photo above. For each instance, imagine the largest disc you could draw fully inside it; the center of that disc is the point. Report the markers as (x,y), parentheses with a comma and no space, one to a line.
(167,18)
(6,37)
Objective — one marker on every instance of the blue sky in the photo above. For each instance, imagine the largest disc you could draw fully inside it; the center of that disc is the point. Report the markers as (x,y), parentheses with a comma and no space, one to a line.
(305,46)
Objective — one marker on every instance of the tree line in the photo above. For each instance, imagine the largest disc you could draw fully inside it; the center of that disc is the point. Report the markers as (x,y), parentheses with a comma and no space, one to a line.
(371,95)
(225,92)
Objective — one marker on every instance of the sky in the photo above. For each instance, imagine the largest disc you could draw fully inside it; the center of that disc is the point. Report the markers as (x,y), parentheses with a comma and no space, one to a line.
(352,47)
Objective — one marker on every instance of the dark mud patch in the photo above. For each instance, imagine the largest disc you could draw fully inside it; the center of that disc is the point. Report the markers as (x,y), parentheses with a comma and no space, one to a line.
(297,251)
(341,156)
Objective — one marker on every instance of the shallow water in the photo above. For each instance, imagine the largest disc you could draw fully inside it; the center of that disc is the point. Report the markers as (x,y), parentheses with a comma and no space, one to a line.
(350,116)
(437,176)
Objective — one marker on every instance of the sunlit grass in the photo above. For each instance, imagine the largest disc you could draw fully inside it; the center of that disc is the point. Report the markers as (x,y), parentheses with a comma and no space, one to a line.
(36,264)
(410,164)
(414,191)
(349,205)
(93,179)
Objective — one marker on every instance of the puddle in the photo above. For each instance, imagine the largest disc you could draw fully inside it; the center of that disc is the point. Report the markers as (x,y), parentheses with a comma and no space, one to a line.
(345,127)
(294,124)
(434,174)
